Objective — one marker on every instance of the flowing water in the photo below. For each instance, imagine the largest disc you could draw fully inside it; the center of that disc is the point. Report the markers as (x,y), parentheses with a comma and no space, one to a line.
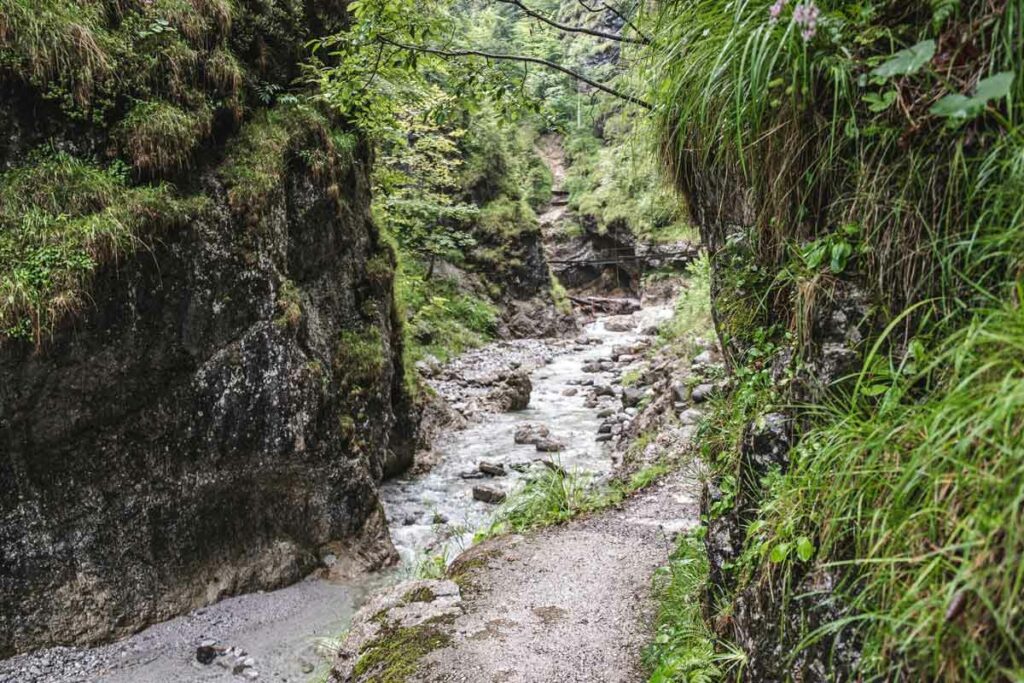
(433,513)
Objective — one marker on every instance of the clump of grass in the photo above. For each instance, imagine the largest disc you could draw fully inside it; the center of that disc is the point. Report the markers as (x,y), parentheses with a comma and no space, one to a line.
(54,40)
(555,495)
(551,497)
(684,648)
(257,158)
(160,137)
(919,501)
(61,218)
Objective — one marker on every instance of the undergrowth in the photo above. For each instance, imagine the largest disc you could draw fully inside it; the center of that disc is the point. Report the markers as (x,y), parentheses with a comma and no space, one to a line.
(879,147)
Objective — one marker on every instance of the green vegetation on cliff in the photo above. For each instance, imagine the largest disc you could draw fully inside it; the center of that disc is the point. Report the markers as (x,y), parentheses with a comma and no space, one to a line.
(853,165)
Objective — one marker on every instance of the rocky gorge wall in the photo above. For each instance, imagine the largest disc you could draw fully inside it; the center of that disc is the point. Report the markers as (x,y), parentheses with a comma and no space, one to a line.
(216,416)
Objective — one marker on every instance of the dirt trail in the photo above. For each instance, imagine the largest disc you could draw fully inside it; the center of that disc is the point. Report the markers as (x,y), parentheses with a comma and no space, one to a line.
(571,603)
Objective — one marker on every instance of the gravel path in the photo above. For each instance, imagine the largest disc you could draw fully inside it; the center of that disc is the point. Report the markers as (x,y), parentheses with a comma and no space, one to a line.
(571,603)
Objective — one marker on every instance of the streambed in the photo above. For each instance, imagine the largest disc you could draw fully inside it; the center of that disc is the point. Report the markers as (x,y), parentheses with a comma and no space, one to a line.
(276,635)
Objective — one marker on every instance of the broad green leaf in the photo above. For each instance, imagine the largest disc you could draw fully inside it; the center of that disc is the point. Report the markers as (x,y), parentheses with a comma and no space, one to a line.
(840,255)
(906,62)
(804,548)
(956,106)
(875,389)
(779,553)
(994,87)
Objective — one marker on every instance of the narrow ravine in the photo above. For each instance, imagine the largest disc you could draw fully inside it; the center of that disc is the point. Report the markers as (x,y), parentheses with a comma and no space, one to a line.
(275,636)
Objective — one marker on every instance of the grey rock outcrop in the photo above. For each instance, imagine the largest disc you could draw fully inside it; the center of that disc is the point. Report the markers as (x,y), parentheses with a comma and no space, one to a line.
(211,424)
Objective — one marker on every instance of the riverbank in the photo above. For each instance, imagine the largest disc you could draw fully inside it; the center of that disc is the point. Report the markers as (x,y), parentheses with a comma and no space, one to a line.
(574,391)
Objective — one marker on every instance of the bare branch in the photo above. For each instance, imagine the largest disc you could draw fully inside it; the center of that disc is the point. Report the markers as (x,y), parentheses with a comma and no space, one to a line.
(605,7)
(642,40)
(523,59)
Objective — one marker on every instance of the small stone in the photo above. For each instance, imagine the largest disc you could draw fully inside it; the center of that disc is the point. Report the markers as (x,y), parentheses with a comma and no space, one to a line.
(603,390)
(472,474)
(205,654)
(703,392)
(605,428)
(631,397)
(602,438)
(607,412)
(251,674)
(487,494)
(690,416)
(529,434)
(492,469)
(590,402)
(550,445)
(704,358)
(570,392)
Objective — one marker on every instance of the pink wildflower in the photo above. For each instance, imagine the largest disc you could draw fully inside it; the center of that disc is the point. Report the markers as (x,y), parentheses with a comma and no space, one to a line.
(805,15)
(775,10)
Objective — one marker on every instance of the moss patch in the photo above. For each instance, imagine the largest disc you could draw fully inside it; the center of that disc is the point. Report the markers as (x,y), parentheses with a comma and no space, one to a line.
(392,658)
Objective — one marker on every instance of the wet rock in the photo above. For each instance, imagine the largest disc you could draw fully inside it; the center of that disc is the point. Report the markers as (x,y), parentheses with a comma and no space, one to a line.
(591,402)
(681,392)
(530,434)
(488,494)
(592,366)
(651,331)
(492,469)
(607,412)
(513,391)
(520,466)
(625,324)
(603,438)
(570,392)
(605,428)
(703,392)
(603,390)
(550,445)
(205,654)
(472,474)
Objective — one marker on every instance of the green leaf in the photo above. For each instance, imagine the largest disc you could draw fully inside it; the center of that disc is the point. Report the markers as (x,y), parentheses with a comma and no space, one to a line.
(880,102)
(840,255)
(906,62)
(875,389)
(957,106)
(994,87)
(804,548)
(779,553)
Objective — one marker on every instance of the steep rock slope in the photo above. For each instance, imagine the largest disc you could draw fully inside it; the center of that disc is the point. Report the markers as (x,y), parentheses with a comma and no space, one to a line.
(201,404)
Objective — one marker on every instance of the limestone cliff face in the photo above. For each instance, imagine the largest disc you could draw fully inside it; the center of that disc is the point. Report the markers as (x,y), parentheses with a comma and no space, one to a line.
(216,417)
(216,420)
